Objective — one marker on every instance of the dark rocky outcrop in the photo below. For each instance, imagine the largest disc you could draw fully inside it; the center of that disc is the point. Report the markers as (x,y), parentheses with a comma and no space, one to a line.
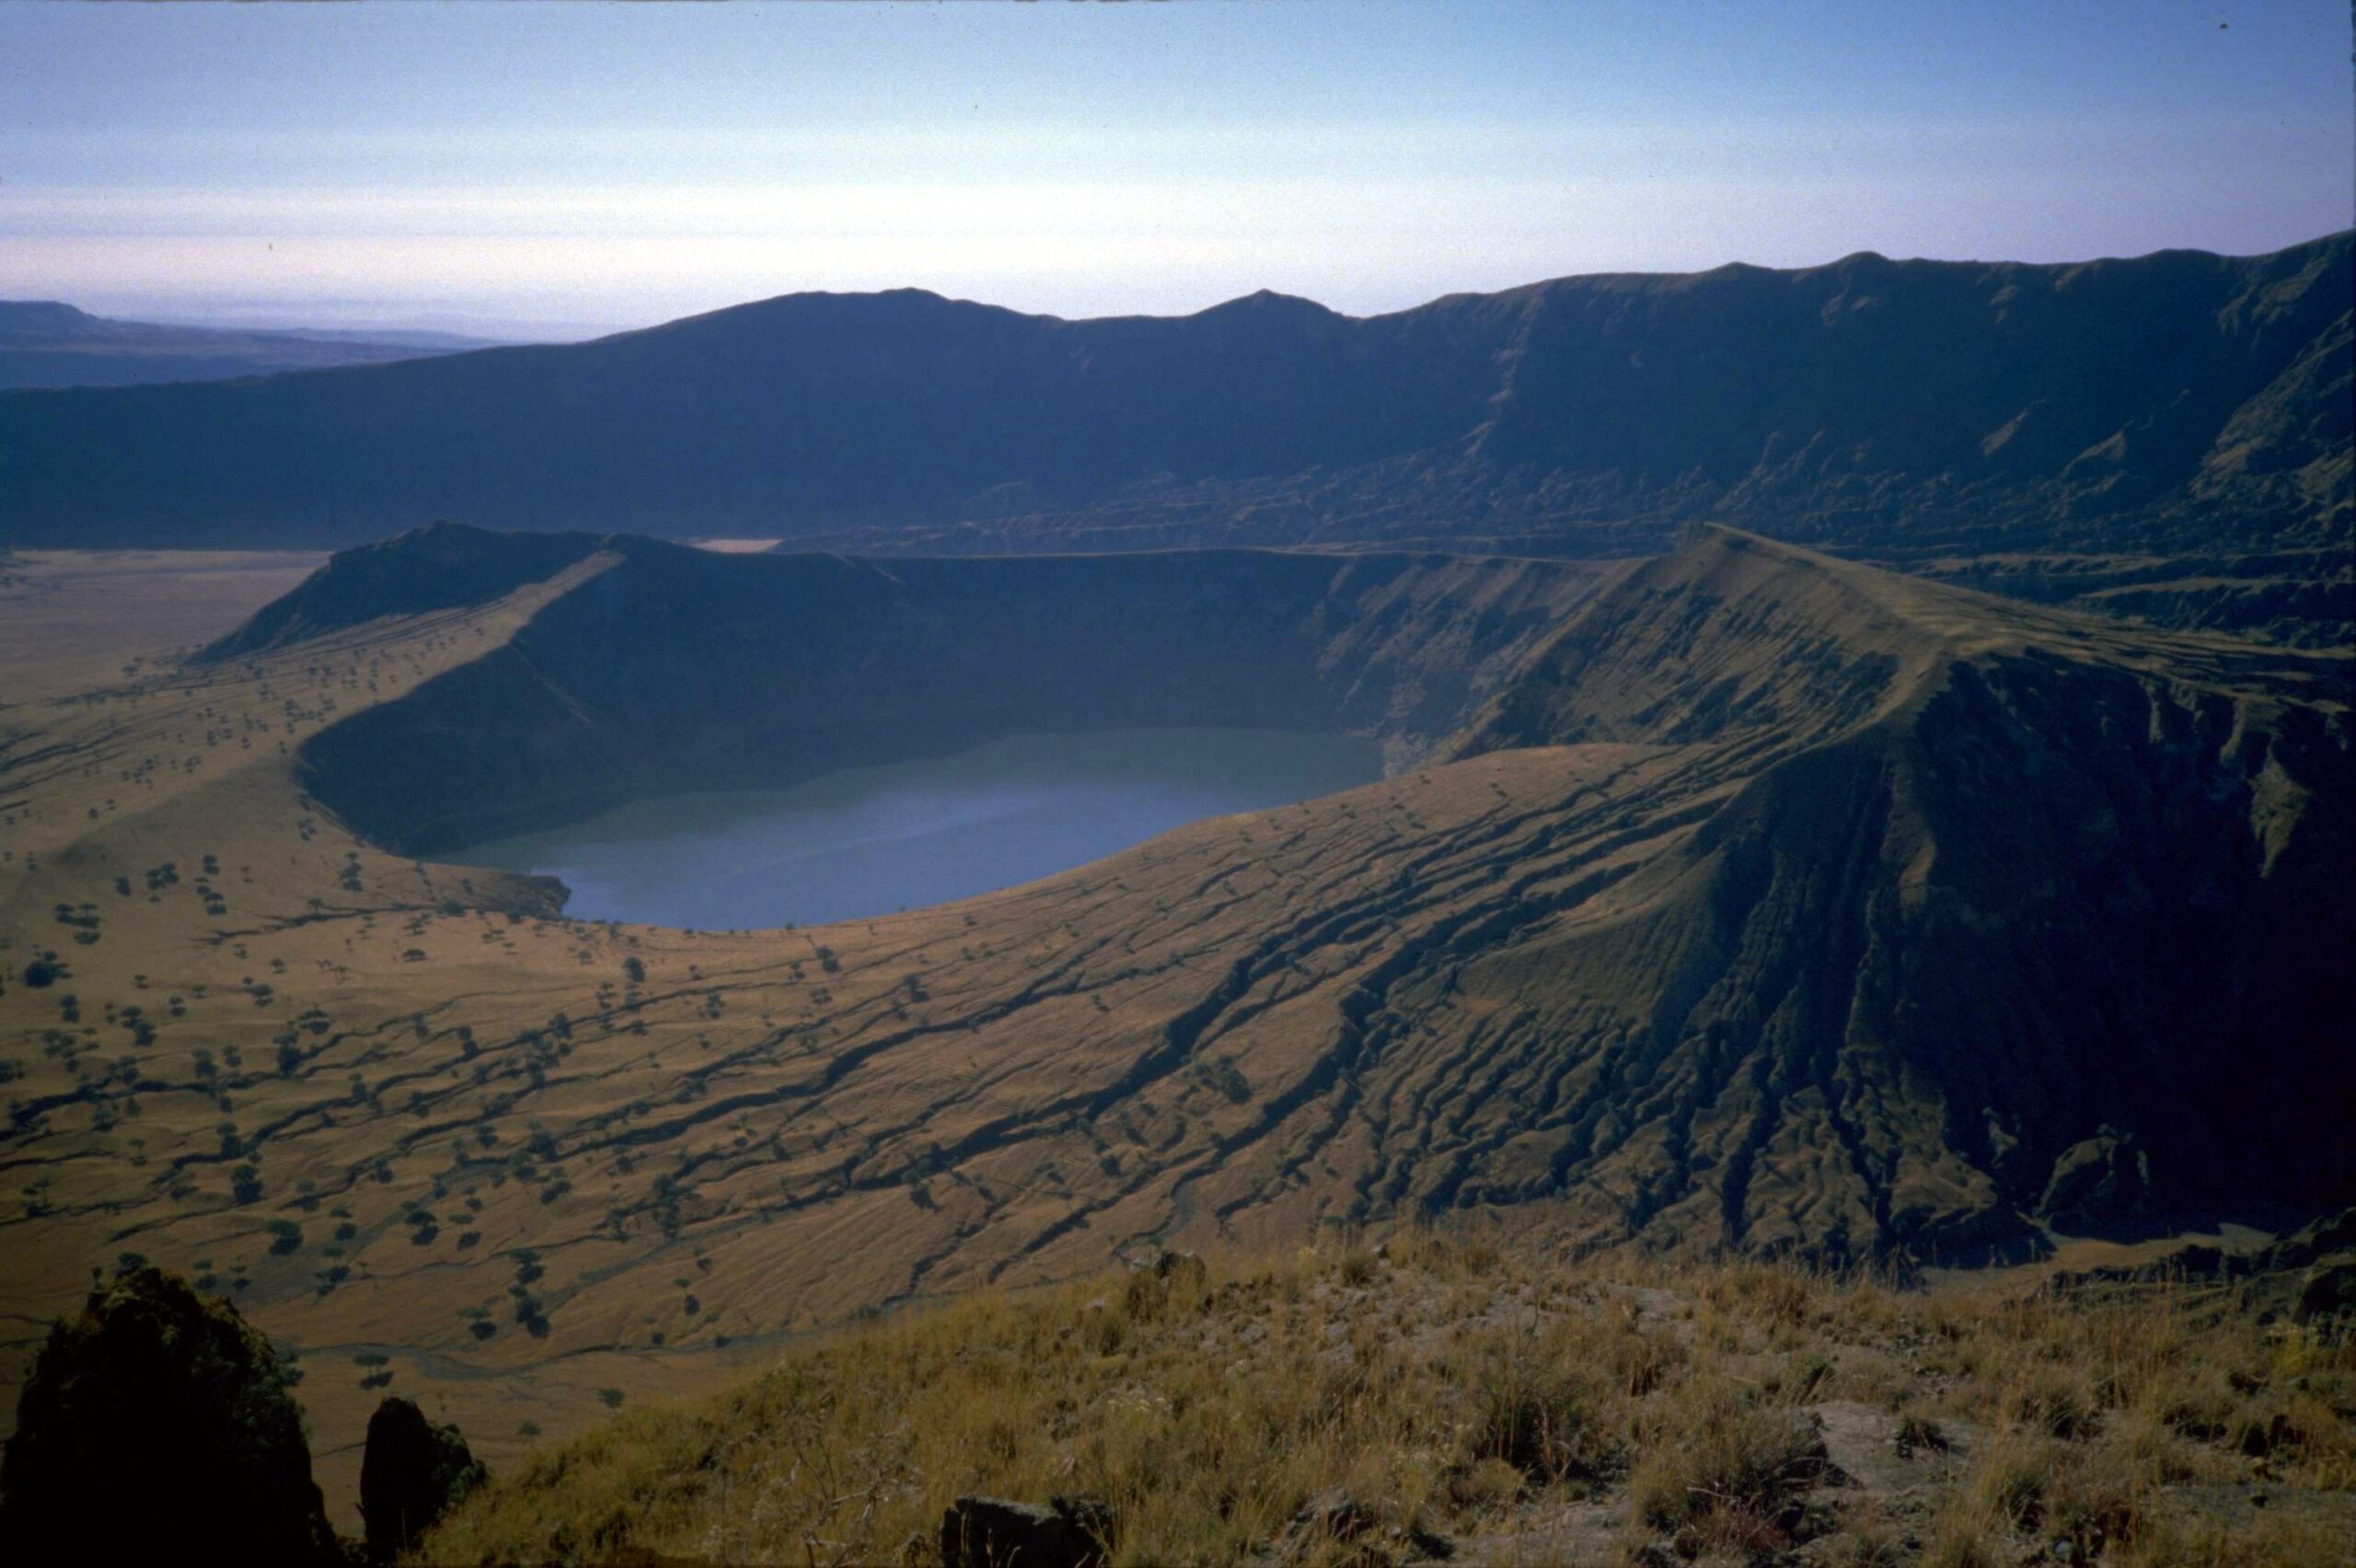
(158,1427)
(1184,1271)
(2097,1182)
(411,1474)
(2328,1290)
(1329,1519)
(991,1532)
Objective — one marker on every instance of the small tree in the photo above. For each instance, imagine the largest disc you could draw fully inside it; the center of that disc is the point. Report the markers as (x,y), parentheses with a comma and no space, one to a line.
(154,1424)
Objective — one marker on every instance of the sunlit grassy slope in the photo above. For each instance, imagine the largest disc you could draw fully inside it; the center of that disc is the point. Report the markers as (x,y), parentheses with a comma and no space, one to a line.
(1504,1406)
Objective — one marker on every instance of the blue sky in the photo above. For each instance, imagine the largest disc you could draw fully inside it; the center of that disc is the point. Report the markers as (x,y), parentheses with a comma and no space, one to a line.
(547,169)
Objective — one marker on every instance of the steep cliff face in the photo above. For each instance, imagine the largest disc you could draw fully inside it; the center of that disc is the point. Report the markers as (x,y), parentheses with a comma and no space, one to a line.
(673,668)
(2119,920)
(1999,895)
(1902,982)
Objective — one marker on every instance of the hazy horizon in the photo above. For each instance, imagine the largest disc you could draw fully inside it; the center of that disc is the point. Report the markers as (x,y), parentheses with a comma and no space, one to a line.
(526,172)
(494,331)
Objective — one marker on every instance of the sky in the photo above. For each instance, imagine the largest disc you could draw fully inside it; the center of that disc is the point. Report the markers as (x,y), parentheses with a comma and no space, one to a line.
(556,170)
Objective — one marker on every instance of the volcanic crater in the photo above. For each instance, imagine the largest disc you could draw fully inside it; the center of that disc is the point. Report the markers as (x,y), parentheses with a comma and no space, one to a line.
(1735,899)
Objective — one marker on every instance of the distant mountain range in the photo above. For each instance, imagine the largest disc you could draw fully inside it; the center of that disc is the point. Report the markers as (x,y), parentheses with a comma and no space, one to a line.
(46,344)
(1913,411)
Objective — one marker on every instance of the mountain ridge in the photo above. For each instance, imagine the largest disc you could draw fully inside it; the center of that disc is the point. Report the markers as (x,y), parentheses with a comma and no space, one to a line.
(48,344)
(2178,405)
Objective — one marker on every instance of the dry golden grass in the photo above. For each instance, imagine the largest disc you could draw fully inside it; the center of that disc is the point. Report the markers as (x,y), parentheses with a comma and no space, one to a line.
(427,1086)
(1529,1409)
(72,619)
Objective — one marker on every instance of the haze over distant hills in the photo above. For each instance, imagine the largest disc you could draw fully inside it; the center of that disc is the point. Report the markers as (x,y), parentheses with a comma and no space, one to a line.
(47,344)
(2175,401)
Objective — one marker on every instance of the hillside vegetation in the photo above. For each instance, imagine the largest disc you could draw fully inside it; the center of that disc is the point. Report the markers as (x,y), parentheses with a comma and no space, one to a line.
(1433,1400)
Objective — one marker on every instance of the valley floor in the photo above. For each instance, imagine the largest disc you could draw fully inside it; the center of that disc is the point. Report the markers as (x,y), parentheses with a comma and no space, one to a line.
(72,619)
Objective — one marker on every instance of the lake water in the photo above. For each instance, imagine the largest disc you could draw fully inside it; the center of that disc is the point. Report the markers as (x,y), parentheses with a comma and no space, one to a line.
(870,841)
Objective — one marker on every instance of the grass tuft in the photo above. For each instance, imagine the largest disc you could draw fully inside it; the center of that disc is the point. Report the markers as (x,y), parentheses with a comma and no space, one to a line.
(1453,1387)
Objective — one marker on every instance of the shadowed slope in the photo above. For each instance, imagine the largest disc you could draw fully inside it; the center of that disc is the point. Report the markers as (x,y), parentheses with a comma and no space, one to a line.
(2004,889)
(2177,402)
(679,669)
(444,567)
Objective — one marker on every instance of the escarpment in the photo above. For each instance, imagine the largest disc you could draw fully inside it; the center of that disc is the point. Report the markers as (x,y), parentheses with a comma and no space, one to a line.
(1921,407)
(1999,886)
